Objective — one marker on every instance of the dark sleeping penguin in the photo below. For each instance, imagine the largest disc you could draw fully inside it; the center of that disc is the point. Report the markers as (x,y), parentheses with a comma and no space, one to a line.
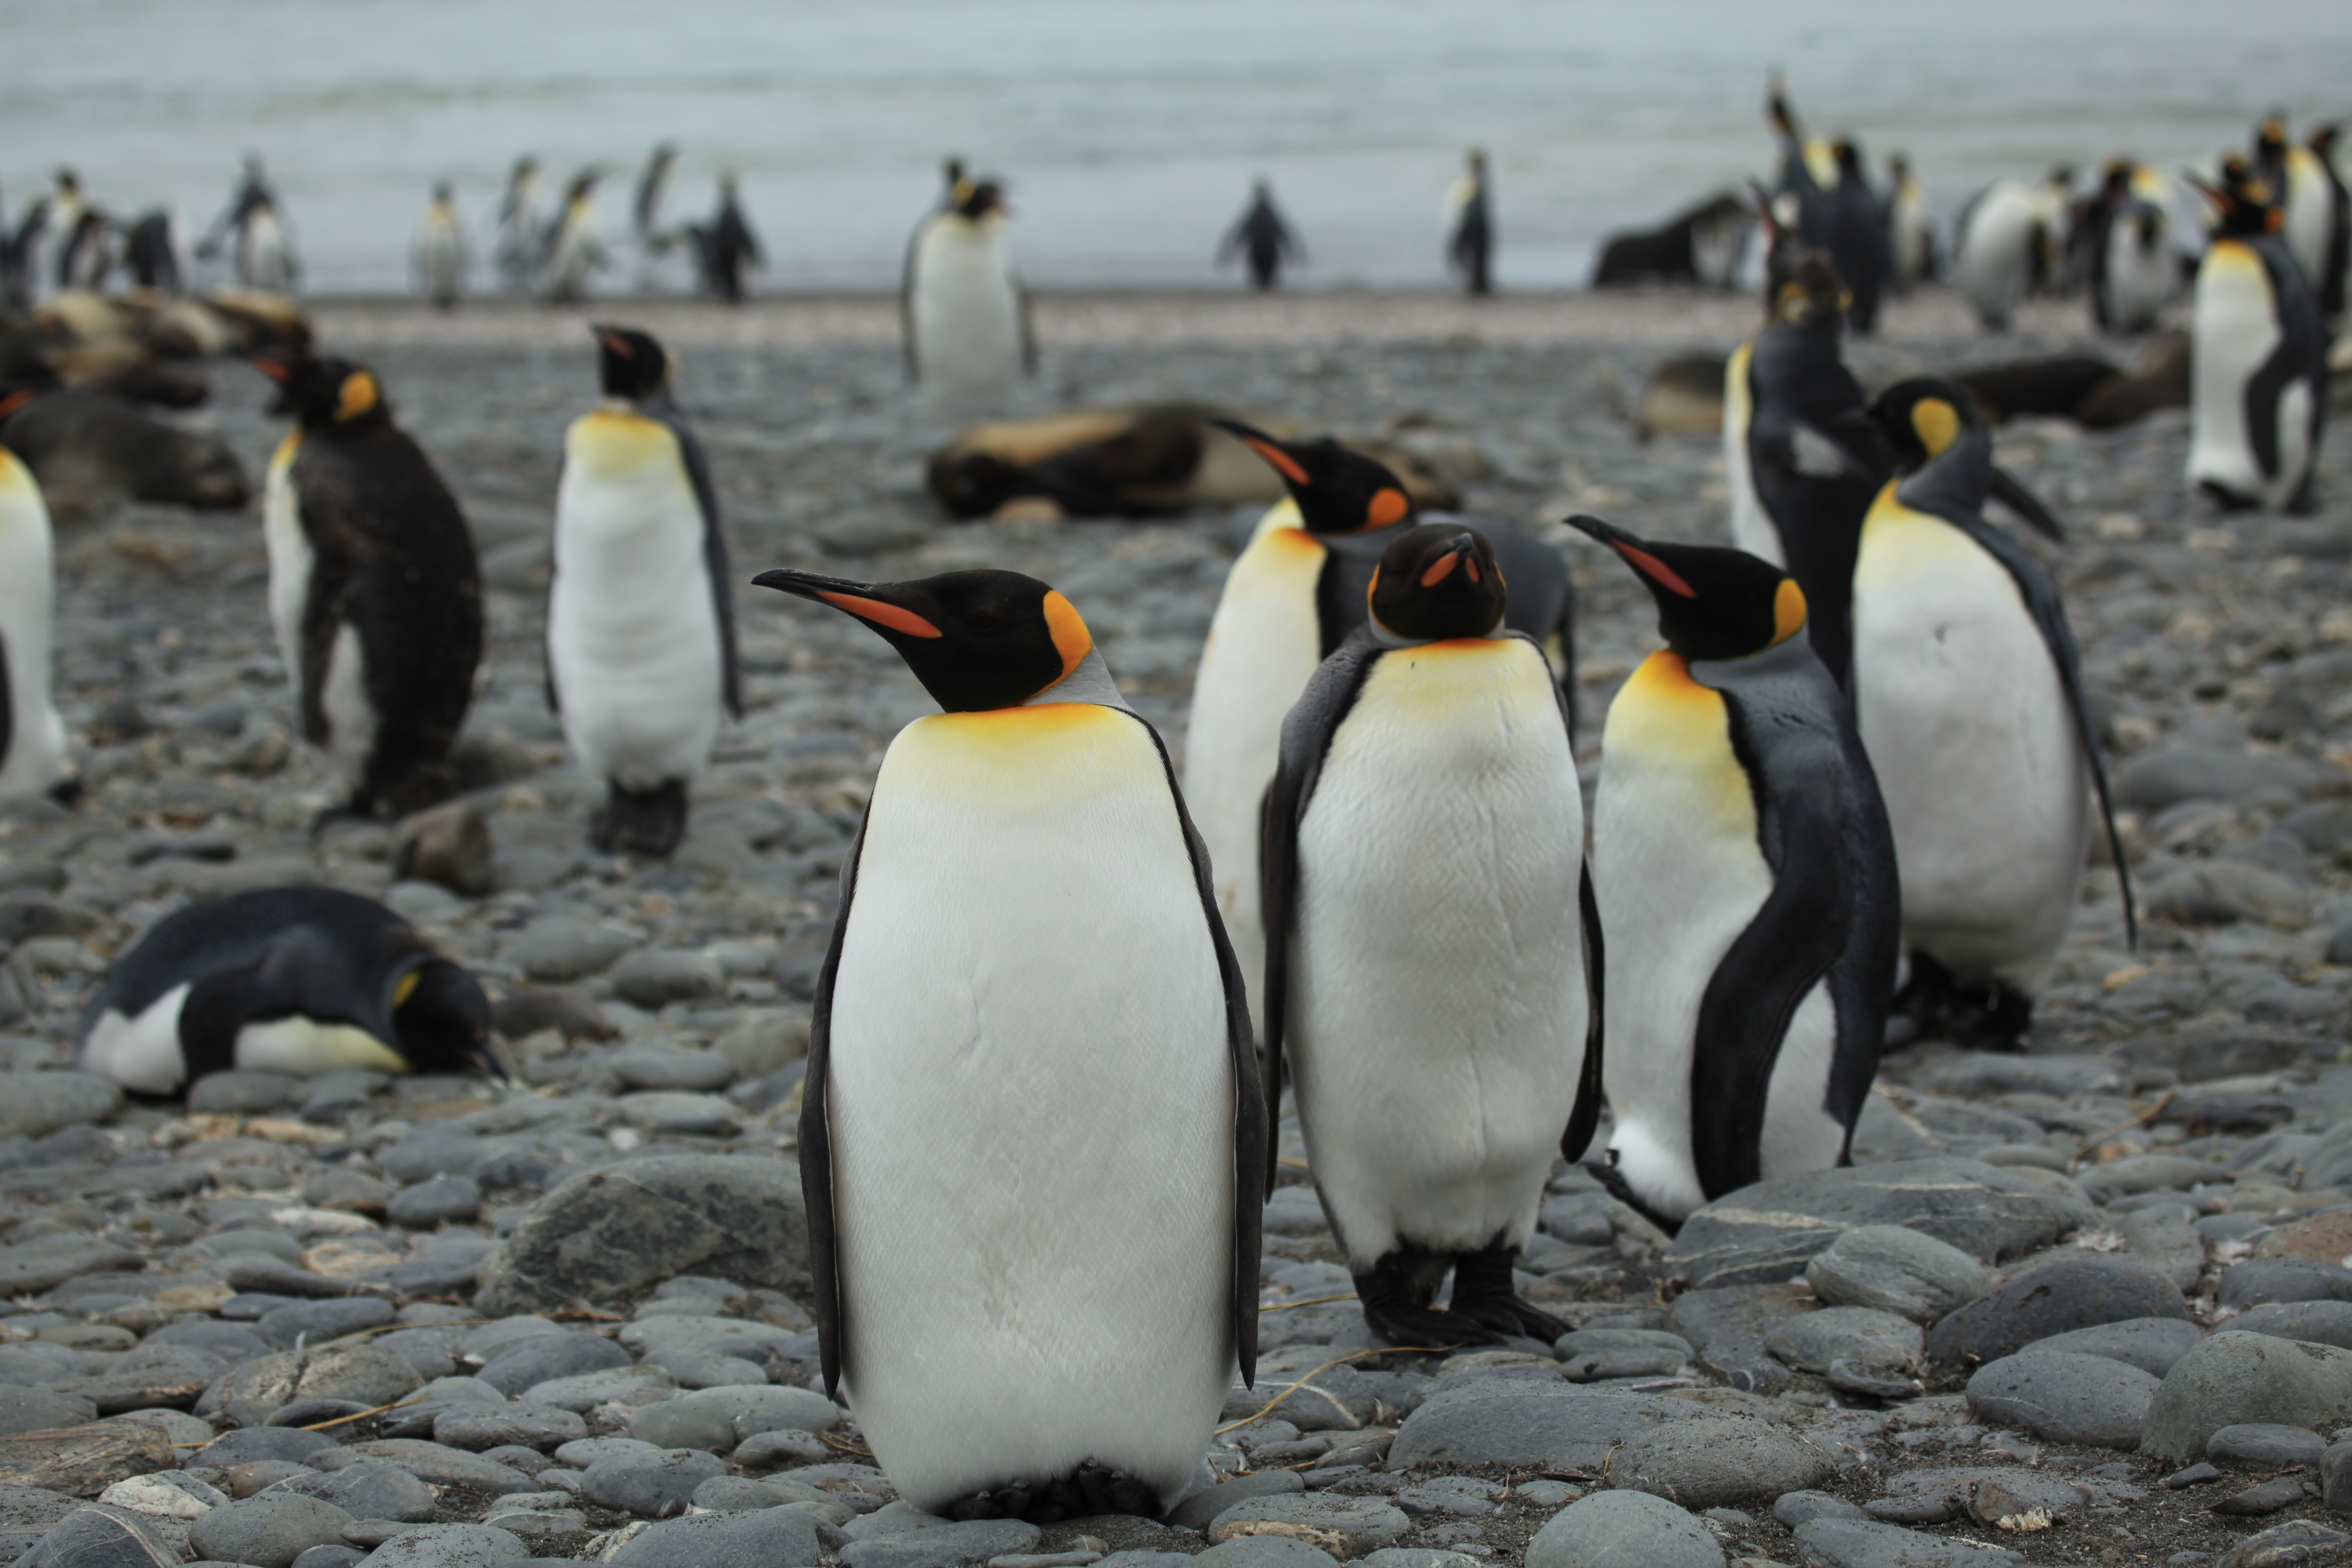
(2259,359)
(288,980)
(1433,970)
(1968,691)
(373,588)
(1039,1327)
(1293,595)
(1743,865)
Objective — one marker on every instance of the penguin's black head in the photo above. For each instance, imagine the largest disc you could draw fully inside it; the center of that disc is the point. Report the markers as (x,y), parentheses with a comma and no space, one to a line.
(323,391)
(1898,168)
(1435,582)
(440,1018)
(952,170)
(1848,153)
(441,192)
(1925,418)
(2247,202)
(1712,602)
(2116,180)
(979,198)
(632,364)
(69,182)
(525,167)
(1802,286)
(1336,491)
(977,640)
(2323,138)
(2270,138)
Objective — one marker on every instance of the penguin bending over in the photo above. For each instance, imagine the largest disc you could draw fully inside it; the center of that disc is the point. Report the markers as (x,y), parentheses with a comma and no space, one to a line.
(32,736)
(1433,975)
(640,617)
(2259,357)
(373,587)
(2006,244)
(1291,598)
(965,314)
(1743,864)
(1039,1323)
(289,980)
(1968,690)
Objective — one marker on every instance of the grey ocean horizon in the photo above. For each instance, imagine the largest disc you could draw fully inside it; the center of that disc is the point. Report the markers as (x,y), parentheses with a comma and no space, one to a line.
(1129,133)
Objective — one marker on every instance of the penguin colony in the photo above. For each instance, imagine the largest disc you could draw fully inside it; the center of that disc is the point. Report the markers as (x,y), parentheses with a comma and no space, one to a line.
(1854,784)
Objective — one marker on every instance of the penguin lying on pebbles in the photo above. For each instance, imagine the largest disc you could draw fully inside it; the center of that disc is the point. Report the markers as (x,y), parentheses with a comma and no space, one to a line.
(289,980)
(1433,975)
(640,616)
(373,588)
(1968,690)
(1032,1139)
(1742,860)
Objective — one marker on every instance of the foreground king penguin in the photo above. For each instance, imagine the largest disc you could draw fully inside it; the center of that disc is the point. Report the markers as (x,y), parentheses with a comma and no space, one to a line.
(1293,595)
(289,980)
(1432,979)
(640,617)
(32,735)
(1742,858)
(1967,689)
(373,588)
(1032,1139)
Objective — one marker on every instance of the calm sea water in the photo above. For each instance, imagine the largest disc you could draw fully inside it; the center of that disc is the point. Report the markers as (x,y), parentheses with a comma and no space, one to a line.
(1129,132)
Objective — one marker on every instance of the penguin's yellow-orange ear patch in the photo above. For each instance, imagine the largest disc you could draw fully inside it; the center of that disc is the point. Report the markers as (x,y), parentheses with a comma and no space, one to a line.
(1788,611)
(1388,505)
(1284,463)
(406,989)
(360,393)
(889,616)
(1937,423)
(1071,638)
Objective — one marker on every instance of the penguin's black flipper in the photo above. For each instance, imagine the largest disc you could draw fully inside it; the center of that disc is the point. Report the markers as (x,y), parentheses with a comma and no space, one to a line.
(2007,491)
(2300,352)
(1254,1145)
(1307,735)
(7,703)
(1586,1118)
(816,1138)
(714,554)
(906,298)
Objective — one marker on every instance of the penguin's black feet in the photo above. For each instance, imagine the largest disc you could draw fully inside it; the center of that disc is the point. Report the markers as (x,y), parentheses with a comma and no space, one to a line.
(1395,1294)
(1484,1294)
(1978,1014)
(69,791)
(1613,1181)
(648,824)
(1089,1490)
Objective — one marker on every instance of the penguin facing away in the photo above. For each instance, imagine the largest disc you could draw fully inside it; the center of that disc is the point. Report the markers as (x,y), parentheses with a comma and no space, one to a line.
(1968,691)
(373,587)
(641,657)
(1291,598)
(520,242)
(1432,977)
(2259,357)
(965,315)
(1742,862)
(293,980)
(1034,1326)
(32,735)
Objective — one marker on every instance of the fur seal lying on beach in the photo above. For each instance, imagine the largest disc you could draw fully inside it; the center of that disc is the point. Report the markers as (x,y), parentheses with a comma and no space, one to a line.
(2085,388)
(90,448)
(1704,245)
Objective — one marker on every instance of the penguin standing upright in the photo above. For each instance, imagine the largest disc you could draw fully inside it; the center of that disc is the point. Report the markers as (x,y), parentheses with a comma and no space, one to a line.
(645,211)
(2006,244)
(373,587)
(66,208)
(2258,357)
(2302,183)
(441,251)
(1743,865)
(150,253)
(20,271)
(519,241)
(1470,226)
(1292,597)
(1261,239)
(2129,240)
(290,980)
(728,245)
(262,251)
(1859,245)
(965,315)
(1433,961)
(1910,232)
(1968,690)
(574,252)
(1040,1326)
(32,736)
(2334,278)
(640,616)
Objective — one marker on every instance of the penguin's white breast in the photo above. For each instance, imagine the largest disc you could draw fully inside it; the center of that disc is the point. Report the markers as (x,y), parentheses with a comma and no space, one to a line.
(140,1052)
(1031,1108)
(1751,524)
(2234,331)
(28,582)
(291,556)
(966,306)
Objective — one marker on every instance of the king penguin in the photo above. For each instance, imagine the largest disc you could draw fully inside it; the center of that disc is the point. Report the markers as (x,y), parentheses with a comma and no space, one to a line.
(640,617)
(373,587)
(520,240)
(965,314)
(2006,244)
(2258,357)
(1742,861)
(2335,273)
(1968,690)
(441,251)
(1432,959)
(1470,226)
(574,252)
(1910,232)
(32,736)
(1293,595)
(1032,1326)
(288,980)
(2133,274)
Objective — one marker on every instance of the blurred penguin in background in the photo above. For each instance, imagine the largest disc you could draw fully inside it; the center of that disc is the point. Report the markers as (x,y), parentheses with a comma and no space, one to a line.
(19,255)
(574,253)
(1910,232)
(645,214)
(151,254)
(1470,242)
(2128,250)
(966,315)
(518,240)
(86,252)
(2007,243)
(1261,239)
(1837,212)
(64,215)
(726,246)
(2335,270)
(253,230)
(440,254)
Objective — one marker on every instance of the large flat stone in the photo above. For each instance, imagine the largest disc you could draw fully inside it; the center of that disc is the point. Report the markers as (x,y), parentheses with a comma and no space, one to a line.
(1722,1461)
(1536,1425)
(2067,1294)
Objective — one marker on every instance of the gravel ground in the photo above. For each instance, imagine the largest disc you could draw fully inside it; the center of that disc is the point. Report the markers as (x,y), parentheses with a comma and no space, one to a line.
(604,1251)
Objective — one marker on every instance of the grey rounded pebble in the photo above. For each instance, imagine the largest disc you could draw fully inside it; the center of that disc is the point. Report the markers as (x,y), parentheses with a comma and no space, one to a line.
(242,1093)
(1719,1462)
(2232,1378)
(1793,1509)
(253,1443)
(718,1418)
(452,1200)
(961,1545)
(650,978)
(1196,1512)
(102,1538)
(370,1489)
(1867,1544)
(2151,1344)
(269,1530)
(499,1426)
(546,1357)
(1622,1530)
(646,1485)
(315,1322)
(1810,1342)
(2065,1398)
(647,1064)
(2260,1281)
(331,1557)
(2072,1293)
(1893,1269)
(1369,1524)
(449,1546)
(2265,1445)
(2320,1322)
(1263,1551)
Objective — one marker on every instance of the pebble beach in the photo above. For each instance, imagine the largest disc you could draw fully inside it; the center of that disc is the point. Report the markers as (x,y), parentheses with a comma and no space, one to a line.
(2088,1304)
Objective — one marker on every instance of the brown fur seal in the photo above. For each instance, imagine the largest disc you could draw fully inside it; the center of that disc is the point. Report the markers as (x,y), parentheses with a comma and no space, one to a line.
(1685,397)
(89,449)
(2085,388)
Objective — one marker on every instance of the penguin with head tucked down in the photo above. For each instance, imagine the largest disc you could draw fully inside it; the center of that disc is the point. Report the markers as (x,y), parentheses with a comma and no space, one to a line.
(32,735)
(963,309)
(373,587)
(1038,1326)
(289,980)
(2259,356)
(1432,980)
(1968,690)
(640,617)
(1743,866)
(1293,595)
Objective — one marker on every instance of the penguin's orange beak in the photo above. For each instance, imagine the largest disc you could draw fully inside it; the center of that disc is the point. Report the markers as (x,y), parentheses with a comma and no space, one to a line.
(275,369)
